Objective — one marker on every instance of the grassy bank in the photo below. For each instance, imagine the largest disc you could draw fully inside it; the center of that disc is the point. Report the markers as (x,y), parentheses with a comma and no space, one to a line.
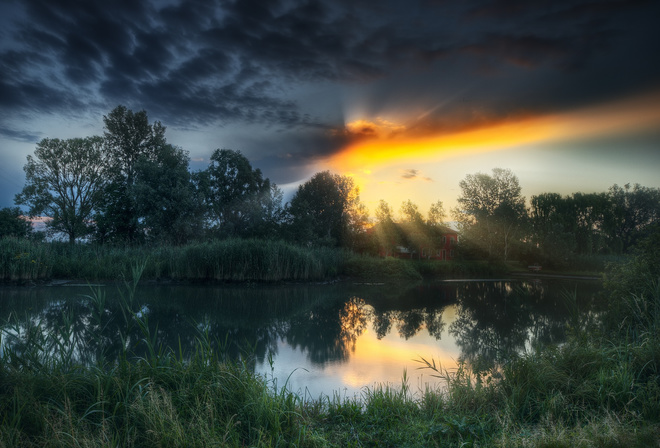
(223,260)
(233,260)
(600,389)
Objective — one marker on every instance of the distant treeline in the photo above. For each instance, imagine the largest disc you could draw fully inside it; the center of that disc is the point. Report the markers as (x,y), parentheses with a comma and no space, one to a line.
(132,188)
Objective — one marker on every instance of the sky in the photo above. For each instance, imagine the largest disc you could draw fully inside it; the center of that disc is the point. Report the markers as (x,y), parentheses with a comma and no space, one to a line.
(406,97)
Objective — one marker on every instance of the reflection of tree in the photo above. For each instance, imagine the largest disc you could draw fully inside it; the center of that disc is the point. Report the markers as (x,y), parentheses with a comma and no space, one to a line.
(434,324)
(493,319)
(353,320)
(382,323)
(408,323)
(240,323)
(329,331)
(496,319)
(491,322)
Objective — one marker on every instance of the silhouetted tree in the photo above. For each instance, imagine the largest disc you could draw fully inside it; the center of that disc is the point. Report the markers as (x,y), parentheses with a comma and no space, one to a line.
(129,139)
(13,223)
(327,210)
(165,198)
(491,210)
(238,199)
(64,181)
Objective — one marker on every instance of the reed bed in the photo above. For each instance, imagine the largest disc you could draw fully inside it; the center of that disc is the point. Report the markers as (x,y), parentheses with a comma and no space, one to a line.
(600,389)
(233,260)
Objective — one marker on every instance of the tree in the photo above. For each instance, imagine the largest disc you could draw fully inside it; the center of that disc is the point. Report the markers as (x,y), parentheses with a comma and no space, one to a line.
(13,223)
(589,213)
(491,209)
(65,180)
(410,212)
(631,211)
(327,209)
(129,138)
(165,197)
(238,199)
(385,230)
(553,222)
(436,214)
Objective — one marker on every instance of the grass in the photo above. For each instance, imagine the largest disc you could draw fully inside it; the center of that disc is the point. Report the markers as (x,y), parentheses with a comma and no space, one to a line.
(600,389)
(231,260)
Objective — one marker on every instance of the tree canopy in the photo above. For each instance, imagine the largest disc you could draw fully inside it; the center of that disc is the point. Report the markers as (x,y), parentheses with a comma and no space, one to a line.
(327,209)
(13,223)
(239,200)
(491,209)
(64,180)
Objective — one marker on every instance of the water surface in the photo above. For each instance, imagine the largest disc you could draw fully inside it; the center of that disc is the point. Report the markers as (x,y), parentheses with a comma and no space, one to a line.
(321,339)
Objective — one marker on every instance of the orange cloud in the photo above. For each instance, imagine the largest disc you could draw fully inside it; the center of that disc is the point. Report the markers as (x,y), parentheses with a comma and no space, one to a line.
(384,142)
(379,128)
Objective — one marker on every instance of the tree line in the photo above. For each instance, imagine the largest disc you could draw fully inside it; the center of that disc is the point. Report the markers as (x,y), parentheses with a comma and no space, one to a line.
(496,222)
(130,186)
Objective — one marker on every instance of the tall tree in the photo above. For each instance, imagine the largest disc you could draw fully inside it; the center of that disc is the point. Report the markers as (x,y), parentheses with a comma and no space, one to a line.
(238,199)
(129,138)
(385,231)
(414,233)
(327,209)
(65,180)
(436,215)
(553,225)
(165,197)
(410,212)
(491,209)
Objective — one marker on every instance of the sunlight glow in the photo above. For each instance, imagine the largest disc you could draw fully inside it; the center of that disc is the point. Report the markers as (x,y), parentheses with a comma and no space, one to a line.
(384,143)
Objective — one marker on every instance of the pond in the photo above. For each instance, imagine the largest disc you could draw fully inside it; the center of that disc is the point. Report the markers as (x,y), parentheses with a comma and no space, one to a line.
(330,339)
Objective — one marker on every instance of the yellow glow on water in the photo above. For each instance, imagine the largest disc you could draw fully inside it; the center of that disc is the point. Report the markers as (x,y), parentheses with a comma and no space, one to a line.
(378,361)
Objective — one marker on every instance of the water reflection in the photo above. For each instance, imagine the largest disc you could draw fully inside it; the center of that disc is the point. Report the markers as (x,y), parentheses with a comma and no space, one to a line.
(341,335)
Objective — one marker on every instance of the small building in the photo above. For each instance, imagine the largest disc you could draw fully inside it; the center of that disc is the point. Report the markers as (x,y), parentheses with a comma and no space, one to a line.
(415,241)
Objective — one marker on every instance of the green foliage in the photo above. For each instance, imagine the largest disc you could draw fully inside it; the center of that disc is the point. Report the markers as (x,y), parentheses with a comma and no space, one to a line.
(166,199)
(13,223)
(587,392)
(239,200)
(491,210)
(24,260)
(327,210)
(163,398)
(64,181)
(221,260)
(129,139)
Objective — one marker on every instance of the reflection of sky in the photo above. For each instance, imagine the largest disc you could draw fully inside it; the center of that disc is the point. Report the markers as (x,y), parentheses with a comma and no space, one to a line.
(373,362)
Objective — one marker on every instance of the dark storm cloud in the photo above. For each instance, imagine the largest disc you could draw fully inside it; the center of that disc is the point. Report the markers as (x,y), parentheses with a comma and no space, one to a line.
(195,63)
(19,135)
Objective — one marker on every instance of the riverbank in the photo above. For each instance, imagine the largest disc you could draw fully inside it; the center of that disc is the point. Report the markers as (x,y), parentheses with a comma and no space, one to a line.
(588,392)
(600,388)
(233,260)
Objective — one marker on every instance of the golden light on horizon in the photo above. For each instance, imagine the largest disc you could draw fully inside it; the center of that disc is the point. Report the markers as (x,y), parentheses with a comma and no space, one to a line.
(384,143)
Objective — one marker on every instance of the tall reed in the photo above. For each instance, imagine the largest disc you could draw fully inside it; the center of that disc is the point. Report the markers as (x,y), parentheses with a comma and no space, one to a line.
(222,260)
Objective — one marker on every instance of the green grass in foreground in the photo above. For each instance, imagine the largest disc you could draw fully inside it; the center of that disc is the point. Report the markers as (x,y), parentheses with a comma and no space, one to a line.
(591,392)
